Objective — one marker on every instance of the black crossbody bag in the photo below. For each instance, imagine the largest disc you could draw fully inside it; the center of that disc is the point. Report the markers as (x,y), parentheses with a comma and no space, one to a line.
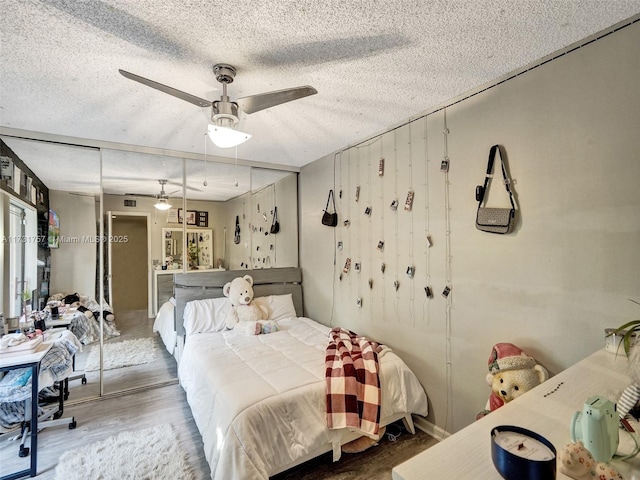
(275,224)
(494,220)
(330,219)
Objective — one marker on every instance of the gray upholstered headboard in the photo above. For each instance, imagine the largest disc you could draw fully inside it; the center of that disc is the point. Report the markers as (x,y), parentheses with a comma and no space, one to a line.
(268,281)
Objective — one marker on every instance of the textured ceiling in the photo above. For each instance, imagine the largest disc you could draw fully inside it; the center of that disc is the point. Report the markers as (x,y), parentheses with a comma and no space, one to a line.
(374,64)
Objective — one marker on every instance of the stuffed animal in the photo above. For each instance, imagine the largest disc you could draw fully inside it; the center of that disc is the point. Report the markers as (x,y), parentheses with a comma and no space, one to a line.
(71,299)
(245,314)
(106,314)
(511,373)
(577,462)
(630,399)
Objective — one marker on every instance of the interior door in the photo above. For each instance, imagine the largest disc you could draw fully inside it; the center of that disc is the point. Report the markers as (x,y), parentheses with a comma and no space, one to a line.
(129,262)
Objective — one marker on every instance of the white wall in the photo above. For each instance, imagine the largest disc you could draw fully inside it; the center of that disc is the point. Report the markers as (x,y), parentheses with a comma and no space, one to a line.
(73,265)
(570,130)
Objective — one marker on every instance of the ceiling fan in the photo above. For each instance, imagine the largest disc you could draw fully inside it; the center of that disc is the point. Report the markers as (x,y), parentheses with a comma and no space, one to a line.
(162,197)
(224,112)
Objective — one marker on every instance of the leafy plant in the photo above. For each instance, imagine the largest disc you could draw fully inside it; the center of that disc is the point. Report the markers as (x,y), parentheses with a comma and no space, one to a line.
(193,252)
(629,329)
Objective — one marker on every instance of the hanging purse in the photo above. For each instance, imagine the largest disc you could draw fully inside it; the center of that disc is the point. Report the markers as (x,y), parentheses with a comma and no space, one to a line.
(328,218)
(275,224)
(236,234)
(494,220)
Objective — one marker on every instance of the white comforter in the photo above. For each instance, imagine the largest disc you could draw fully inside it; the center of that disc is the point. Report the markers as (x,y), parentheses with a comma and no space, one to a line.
(259,401)
(165,326)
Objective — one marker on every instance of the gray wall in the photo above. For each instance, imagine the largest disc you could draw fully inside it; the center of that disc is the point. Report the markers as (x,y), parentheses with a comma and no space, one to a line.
(570,129)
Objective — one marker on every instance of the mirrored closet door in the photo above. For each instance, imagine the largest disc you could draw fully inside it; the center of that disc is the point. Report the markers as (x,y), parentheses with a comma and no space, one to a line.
(141,206)
(68,257)
(127,221)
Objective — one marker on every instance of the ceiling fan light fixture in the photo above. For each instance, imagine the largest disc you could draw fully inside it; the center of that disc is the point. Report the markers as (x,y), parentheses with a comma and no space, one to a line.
(225,137)
(162,204)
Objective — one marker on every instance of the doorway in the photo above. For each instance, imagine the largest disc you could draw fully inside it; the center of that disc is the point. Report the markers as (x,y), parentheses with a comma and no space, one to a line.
(129,248)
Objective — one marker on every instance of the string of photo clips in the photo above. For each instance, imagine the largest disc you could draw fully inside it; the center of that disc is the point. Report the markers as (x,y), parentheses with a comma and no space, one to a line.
(427,244)
(368,212)
(381,203)
(444,167)
(358,249)
(347,264)
(338,246)
(408,206)
(394,207)
(346,223)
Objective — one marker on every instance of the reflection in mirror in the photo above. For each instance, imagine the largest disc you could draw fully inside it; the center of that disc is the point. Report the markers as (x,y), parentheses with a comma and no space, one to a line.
(273,224)
(67,263)
(143,195)
(216,193)
(217,220)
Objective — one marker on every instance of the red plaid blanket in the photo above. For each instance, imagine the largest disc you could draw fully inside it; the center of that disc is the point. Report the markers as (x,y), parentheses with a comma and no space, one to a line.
(352,382)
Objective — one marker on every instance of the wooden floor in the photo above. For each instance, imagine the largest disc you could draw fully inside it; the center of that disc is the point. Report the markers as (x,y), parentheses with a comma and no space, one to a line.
(115,413)
(100,419)
(374,463)
(132,325)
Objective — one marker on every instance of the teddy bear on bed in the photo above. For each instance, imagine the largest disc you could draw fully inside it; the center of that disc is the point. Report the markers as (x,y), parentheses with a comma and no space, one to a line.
(245,314)
(511,373)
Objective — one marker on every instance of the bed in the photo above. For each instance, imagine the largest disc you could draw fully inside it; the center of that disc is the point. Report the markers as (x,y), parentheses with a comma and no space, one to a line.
(259,400)
(164,325)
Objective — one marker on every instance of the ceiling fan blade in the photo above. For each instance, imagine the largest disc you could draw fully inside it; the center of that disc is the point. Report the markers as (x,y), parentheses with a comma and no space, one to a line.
(179,184)
(255,103)
(200,102)
(140,195)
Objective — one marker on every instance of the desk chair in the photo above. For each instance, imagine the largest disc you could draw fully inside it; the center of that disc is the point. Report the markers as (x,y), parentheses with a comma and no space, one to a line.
(50,417)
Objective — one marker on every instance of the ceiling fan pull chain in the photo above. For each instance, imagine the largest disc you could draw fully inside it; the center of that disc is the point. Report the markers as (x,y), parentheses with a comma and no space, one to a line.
(236,166)
(205,160)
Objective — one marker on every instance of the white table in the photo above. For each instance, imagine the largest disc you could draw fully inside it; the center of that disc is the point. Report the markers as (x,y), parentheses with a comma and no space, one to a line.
(31,360)
(546,410)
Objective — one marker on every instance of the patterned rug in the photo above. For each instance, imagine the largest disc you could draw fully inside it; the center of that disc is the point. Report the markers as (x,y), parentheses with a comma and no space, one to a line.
(122,354)
(152,453)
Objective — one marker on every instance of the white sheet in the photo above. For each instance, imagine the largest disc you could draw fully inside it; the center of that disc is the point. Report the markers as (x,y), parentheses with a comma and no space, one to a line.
(164,325)
(259,400)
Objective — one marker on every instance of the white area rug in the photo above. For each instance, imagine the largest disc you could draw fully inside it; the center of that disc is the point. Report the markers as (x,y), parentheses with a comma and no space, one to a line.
(152,454)
(122,354)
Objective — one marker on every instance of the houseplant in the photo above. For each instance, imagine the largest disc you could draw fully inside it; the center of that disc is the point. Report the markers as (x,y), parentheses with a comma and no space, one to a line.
(629,331)
(193,251)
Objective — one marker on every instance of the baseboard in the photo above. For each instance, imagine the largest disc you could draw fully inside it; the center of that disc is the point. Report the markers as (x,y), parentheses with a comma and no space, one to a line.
(430,429)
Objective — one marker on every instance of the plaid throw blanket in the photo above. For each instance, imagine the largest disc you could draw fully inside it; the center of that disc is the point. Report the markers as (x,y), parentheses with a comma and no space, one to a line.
(352,383)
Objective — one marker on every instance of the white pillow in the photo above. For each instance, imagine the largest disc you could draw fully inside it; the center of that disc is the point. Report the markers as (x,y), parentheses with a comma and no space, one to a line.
(278,306)
(203,316)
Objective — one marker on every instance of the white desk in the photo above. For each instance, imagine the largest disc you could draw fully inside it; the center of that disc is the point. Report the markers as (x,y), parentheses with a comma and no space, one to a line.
(21,361)
(546,410)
